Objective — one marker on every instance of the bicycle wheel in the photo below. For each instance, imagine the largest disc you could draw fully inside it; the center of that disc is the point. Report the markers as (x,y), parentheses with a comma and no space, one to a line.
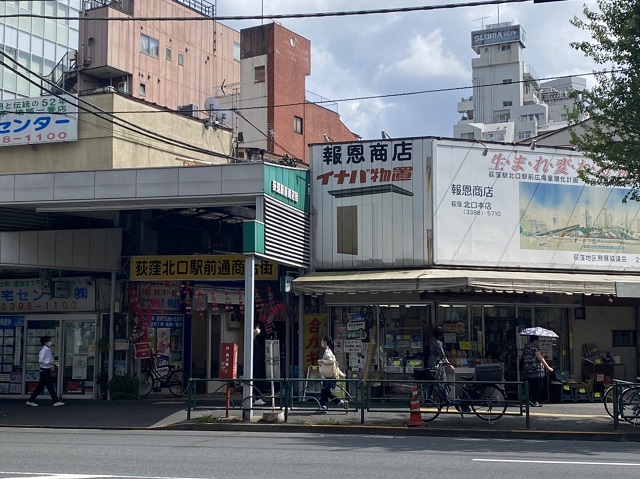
(178,382)
(607,400)
(630,405)
(429,403)
(146,383)
(489,402)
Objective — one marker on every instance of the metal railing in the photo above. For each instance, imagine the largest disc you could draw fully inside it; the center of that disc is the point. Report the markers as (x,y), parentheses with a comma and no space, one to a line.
(125,6)
(364,396)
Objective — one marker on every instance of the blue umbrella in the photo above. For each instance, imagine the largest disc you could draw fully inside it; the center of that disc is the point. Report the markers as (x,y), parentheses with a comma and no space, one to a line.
(538,331)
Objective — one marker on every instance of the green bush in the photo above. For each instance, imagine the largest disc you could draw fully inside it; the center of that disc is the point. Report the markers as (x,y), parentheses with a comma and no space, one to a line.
(124,387)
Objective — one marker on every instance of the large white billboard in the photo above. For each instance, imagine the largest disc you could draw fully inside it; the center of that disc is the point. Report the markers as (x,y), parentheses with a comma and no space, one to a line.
(370,204)
(43,119)
(517,207)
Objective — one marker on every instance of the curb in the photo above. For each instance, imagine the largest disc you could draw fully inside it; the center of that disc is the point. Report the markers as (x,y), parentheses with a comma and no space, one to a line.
(531,434)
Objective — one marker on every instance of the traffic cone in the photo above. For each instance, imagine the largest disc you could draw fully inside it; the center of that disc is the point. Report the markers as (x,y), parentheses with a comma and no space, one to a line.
(415,418)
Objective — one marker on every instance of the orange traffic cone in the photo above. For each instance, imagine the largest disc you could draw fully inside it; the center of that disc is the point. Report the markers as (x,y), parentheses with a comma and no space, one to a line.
(415,419)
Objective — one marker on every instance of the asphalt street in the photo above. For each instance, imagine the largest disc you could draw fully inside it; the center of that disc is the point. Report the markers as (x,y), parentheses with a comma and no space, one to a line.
(89,453)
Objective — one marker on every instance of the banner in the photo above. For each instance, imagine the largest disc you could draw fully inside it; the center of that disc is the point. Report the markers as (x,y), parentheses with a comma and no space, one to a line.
(312,336)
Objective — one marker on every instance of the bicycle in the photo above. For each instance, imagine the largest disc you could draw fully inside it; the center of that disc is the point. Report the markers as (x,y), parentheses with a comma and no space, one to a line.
(488,401)
(152,379)
(628,401)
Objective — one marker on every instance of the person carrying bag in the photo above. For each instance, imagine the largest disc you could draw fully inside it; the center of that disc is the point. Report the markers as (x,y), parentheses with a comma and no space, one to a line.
(330,371)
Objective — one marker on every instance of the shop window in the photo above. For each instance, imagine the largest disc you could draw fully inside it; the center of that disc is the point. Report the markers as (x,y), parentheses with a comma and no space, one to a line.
(623,338)
(347,229)
(297,124)
(259,74)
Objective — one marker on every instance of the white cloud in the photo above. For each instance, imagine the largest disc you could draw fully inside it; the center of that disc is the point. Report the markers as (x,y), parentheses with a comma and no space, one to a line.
(427,57)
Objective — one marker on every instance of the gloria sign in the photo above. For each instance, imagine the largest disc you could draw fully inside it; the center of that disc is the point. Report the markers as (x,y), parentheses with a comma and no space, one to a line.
(45,119)
(370,203)
(523,208)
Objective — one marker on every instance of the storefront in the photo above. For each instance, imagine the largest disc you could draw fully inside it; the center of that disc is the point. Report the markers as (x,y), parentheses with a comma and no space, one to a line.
(68,314)
(483,240)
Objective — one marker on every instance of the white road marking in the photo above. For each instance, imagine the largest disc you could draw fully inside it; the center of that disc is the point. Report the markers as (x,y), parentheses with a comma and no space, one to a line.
(581,463)
(45,475)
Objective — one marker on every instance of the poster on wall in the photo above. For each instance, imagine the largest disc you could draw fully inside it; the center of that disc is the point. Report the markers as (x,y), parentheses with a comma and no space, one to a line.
(79,370)
(363,190)
(522,208)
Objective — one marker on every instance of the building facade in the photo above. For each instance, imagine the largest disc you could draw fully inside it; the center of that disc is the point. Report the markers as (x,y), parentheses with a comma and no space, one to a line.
(497,239)
(36,43)
(509,102)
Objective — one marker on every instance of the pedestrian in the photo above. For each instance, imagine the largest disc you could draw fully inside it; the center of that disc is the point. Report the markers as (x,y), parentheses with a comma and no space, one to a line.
(437,356)
(329,370)
(259,363)
(47,363)
(533,370)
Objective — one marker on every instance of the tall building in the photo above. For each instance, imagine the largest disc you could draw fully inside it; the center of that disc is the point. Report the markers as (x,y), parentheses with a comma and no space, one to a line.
(37,43)
(509,102)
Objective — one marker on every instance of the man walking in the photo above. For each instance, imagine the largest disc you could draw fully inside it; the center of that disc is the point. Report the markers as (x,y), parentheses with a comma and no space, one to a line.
(47,363)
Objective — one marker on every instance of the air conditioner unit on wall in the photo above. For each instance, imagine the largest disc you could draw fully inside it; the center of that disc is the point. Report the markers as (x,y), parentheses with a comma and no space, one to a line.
(189,110)
(122,87)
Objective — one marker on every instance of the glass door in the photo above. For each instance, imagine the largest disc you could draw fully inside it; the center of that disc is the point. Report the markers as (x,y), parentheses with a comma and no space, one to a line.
(78,367)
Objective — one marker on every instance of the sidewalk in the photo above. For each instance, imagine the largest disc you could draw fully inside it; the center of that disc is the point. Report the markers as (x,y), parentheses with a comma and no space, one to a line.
(581,421)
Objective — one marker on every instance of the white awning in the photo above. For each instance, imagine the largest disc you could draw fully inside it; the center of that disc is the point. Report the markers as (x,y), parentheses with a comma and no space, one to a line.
(450,280)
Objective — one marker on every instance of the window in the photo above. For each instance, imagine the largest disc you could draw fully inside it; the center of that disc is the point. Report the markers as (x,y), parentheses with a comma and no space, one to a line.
(236,51)
(623,338)
(507,81)
(297,124)
(181,59)
(504,118)
(168,54)
(467,136)
(143,89)
(259,74)
(347,229)
(504,48)
(507,103)
(524,135)
(149,46)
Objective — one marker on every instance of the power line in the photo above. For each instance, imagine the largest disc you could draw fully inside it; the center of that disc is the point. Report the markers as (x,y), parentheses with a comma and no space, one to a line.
(424,8)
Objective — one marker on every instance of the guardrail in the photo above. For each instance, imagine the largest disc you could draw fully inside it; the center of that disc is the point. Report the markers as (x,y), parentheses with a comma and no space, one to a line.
(625,399)
(363,396)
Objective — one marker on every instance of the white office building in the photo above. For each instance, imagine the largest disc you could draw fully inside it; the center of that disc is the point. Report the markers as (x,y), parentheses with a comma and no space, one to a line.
(36,43)
(509,102)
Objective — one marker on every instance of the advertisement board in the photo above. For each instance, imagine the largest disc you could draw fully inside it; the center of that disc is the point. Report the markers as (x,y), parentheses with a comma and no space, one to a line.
(370,204)
(517,207)
(43,119)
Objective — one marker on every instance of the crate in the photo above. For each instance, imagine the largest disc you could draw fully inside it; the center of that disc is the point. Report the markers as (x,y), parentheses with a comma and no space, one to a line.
(582,394)
(561,393)
(489,372)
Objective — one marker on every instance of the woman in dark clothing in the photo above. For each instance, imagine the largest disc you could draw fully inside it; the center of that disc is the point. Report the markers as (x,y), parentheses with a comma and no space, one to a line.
(533,368)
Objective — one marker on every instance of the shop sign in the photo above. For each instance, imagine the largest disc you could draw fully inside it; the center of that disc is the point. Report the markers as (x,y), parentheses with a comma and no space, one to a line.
(43,119)
(28,296)
(521,208)
(164,296)
(352,346)
(356,330)
(198,267)
(312,336)
(10,322)
(288,185)
(362,191)
(142,350)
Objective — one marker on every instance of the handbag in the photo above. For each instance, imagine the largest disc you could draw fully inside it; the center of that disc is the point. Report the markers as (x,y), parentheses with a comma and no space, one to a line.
(330,371)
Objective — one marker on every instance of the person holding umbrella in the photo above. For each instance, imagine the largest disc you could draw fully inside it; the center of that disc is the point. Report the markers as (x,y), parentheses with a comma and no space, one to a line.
(534,368)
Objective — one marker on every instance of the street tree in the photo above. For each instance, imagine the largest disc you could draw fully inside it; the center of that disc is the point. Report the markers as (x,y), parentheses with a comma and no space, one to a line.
(611,135)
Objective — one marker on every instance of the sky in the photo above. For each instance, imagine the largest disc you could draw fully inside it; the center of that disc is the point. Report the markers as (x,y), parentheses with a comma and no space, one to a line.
(386,54)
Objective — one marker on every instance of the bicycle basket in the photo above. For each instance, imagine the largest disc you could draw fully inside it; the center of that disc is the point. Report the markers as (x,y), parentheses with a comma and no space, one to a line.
(488,372)
(423,375)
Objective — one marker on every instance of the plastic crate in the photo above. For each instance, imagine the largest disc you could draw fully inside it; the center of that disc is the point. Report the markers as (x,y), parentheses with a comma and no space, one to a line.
(582,395)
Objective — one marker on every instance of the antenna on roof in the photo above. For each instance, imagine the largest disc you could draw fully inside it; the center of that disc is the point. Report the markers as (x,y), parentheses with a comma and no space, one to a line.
(481,19)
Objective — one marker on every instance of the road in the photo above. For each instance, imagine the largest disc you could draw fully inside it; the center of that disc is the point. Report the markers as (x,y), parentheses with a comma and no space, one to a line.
(80,454)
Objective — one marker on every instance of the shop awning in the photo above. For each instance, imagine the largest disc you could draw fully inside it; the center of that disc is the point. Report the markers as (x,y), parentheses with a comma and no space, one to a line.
(456,280)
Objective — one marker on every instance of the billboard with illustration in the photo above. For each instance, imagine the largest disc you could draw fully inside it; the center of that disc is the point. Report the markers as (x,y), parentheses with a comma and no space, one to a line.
(517,207)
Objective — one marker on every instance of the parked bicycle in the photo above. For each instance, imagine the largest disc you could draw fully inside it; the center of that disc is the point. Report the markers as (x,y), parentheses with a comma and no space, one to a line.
(151,378)
(628,401)
(487,401)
